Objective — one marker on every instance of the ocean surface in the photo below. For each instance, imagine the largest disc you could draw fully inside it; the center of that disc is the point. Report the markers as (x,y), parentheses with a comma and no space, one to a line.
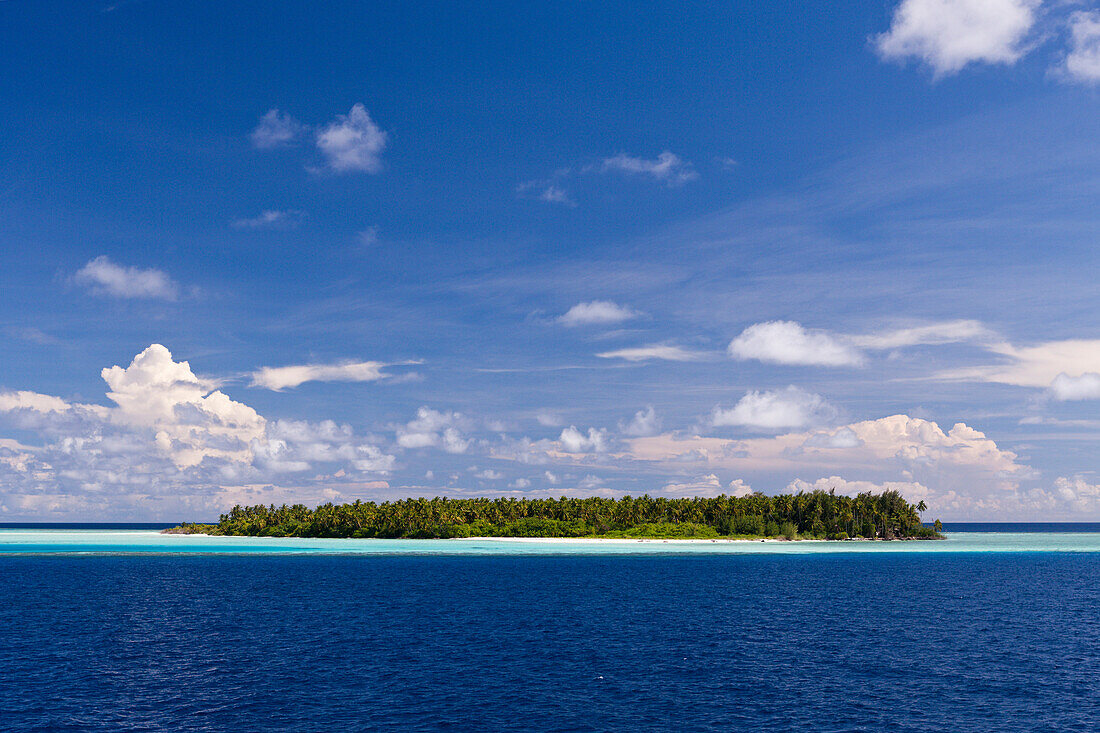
(128,630)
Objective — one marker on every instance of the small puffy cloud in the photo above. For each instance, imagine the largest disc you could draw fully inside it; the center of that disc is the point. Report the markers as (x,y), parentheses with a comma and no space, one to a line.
(574,441)
(947,35)
(1083,60)
(913,491)
(526,450)
(842,438)
(435,429)
(1085,387)
(788,343)
(663,352)
(707,485)
(596,313)
(549,419)
(551,478)
(590,482)
(739,488)
(645,422)
(489,475)
(780,410)
(276,130)
(270,219)
(279,378)
(1077,492)
(667,167)
(520,483)
(352,142)
(103,277)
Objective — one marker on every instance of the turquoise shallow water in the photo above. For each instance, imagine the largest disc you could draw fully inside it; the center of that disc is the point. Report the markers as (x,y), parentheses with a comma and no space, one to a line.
(110,541)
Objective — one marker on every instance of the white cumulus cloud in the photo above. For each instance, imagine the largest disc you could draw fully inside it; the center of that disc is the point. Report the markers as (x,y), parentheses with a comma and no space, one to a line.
(103,277)
(1085,387)
(966,474)
(596,313)
(707,485)
(739,488)
(574,441)
(787,342)
(947,35)
(913,491)
(1083,60)
(171,442)
(435,429)
(790,408)
(645,422)
(352,142)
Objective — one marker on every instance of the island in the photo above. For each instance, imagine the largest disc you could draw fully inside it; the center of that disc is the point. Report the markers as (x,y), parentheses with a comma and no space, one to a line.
(818,515)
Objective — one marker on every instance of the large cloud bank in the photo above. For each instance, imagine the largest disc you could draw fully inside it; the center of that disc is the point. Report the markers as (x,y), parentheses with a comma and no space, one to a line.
(171,442)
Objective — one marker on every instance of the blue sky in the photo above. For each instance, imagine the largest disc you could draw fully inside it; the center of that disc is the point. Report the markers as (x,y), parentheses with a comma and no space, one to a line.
(542,250)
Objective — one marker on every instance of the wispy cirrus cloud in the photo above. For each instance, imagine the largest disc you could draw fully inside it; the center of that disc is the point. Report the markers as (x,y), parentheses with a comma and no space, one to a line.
(286,377)
(667,168)
(1034,366)
(662,352)
(270,219)
(548,191)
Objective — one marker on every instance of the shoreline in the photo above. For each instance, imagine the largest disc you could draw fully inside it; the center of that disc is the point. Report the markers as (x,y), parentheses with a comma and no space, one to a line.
(561,540)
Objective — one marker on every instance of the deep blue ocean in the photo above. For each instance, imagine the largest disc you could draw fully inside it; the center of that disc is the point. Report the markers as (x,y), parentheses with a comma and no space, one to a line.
(817,642)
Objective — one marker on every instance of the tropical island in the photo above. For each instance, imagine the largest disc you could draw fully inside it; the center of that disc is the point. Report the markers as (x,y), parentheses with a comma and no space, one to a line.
(818,515)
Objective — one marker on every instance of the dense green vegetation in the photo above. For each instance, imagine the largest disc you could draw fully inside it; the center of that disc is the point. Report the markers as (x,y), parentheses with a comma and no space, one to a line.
(815,515)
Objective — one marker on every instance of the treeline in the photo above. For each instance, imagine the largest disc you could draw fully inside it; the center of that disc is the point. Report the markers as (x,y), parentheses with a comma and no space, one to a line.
(814,515)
